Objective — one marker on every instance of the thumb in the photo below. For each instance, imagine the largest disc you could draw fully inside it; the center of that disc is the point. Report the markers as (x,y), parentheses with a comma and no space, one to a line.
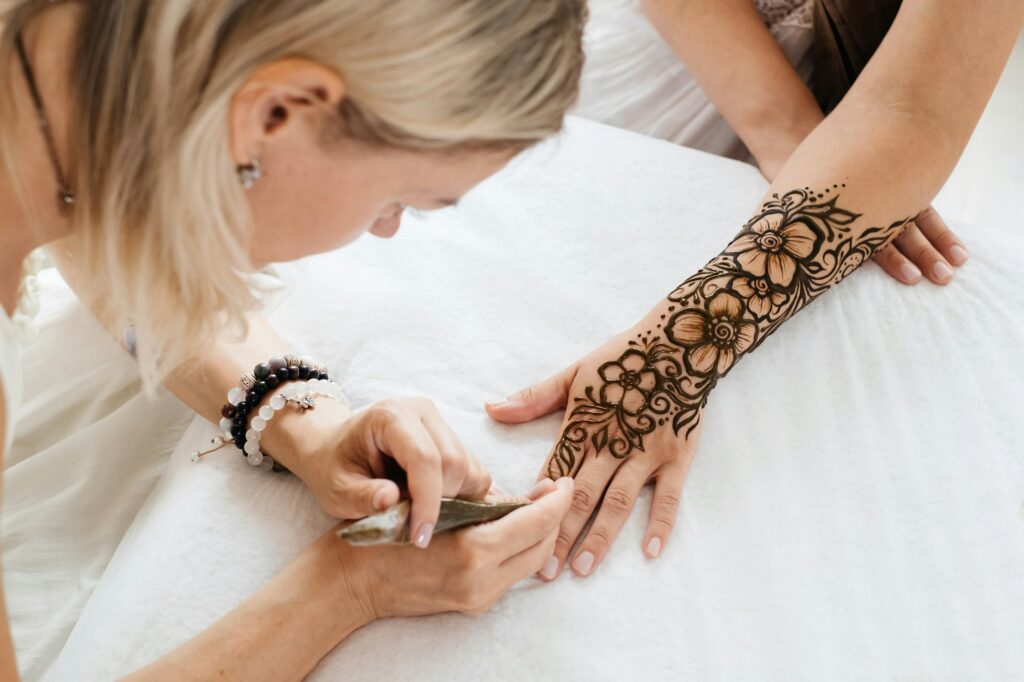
(370,496)
(536,401)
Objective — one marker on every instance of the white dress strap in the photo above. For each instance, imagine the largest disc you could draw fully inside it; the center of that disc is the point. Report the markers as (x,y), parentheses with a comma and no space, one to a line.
(10,374)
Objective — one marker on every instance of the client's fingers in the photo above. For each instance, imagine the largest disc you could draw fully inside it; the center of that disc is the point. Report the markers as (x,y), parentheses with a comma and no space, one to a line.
(615,508)
(925,256)
(935,229)
(898,266)
(591,481)
(668,491)
(535,401)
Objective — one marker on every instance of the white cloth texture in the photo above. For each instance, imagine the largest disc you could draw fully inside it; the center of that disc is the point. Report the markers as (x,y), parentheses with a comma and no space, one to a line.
(853,513)
(89,447)
(632,79)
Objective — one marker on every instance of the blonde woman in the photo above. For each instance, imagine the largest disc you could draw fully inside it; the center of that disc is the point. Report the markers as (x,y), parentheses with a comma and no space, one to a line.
(172,146)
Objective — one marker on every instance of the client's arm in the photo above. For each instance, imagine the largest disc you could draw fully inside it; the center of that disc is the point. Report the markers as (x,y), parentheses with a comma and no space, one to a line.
(739,65)
(849,189)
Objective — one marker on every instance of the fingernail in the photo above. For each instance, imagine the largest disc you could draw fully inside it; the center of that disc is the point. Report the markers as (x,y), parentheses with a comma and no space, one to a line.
(378,499)
(909,272)
(958,255)
(654,547)
(542,486)
(942,271)
(550,568)
(497,403)
(424,535)
(583,563)
(565,483)
(495,490)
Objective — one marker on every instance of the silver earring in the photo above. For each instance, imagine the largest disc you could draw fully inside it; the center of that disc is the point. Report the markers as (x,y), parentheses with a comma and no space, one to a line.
(249,173)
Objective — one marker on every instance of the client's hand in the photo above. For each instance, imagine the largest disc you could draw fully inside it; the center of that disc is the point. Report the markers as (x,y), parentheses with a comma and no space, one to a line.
(347,460)
(615,439)
(466,570)
(927,246)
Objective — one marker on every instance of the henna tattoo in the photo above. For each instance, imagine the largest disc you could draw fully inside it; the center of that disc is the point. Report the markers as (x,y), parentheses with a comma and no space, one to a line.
(798,247)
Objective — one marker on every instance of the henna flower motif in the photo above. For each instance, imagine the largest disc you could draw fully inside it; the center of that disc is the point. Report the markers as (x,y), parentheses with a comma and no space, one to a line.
(713,338)
(628,382)
(773,249)
(759,294)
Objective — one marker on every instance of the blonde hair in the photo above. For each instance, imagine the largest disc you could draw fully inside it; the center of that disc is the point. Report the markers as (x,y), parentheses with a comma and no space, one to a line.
(160,211)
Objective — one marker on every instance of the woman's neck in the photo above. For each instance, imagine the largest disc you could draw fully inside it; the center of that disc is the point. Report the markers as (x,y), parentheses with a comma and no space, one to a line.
(28,203)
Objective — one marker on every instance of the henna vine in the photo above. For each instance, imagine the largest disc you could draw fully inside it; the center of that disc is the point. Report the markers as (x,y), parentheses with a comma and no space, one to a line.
(798,246)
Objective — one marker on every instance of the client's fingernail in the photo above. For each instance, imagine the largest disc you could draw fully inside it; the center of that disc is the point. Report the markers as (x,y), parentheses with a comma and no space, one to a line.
(942,271)
(378,499)
(423,536)
(566,483)
(498,403)
(583,563)
(958,255)
(654,547)
(542,486)
(909,272)
(496,491)
(550,568)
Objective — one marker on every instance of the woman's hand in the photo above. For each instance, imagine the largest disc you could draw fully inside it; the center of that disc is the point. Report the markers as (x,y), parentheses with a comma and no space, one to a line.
(927,246)
(466,570)
(347,460)
(611,444)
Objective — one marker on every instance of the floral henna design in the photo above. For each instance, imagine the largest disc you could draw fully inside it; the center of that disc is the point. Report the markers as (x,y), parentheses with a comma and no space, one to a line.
(798,247)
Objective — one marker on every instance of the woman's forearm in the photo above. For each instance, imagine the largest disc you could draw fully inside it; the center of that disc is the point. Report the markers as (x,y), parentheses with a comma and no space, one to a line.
(737,62)
(280,633)
(203,381)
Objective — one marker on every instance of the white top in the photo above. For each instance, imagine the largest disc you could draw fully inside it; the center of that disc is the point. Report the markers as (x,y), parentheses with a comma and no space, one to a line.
(10,374)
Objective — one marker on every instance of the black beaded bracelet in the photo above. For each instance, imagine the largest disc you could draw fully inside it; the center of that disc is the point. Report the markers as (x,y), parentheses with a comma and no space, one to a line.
(266,376)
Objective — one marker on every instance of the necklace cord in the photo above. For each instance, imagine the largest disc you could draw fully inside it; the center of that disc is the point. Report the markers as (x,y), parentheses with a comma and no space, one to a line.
(65,196)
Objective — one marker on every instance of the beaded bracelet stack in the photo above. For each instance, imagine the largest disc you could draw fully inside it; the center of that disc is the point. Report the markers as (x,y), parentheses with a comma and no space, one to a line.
(308,380)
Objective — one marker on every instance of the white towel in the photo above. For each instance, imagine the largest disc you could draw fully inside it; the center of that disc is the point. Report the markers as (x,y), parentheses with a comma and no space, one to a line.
(854,512)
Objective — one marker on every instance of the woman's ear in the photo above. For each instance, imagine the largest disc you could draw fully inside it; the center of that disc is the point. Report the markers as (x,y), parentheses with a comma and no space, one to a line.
(274,99)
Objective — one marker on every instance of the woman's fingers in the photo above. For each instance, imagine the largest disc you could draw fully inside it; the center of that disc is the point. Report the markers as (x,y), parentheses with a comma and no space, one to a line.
(461,473)
(528,525)
(536,401)
(935,229)
(924,255)
(407,440)
(897,265)
(591,481)
(668,491)
(615,508)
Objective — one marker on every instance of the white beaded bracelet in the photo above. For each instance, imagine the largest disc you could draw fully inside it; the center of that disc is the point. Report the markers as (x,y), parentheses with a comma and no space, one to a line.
(302,393)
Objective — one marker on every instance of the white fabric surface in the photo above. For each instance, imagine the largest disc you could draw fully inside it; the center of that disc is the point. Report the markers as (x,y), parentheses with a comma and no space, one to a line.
(633,79)
(854,512)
